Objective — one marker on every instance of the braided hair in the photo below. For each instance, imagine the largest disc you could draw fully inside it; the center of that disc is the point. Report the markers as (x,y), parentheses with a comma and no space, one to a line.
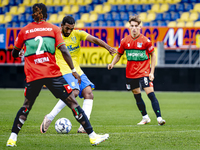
(39,12)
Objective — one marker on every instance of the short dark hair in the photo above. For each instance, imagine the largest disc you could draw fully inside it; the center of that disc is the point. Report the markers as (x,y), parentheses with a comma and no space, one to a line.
(68,19)
(39,12)
(135,18)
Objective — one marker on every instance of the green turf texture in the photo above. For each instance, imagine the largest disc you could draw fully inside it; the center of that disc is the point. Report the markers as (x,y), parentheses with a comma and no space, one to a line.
(114,112)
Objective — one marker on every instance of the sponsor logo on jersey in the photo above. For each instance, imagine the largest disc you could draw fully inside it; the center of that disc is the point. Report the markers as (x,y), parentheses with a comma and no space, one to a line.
(139,44)
(41,60)
(38,30)
(70,48)
(74,39)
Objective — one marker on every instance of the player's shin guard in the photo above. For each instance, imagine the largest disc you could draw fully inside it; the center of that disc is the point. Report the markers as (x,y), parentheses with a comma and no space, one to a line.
(82,119)
(140,103)
(155,104)
(20,119)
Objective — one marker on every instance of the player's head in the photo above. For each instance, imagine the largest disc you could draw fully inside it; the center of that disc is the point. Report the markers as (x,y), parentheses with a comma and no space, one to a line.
(135,25)
(39,12)
(67,25)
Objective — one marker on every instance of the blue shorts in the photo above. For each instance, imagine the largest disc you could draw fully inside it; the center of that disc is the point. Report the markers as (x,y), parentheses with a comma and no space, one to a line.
(73,82)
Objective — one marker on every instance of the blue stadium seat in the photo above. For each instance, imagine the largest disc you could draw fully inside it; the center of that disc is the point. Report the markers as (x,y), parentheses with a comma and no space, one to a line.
(102,23)
(57,24)
(9,25)
(119,23)
(124,16)
(29,18)
(180,7)
(89,8)
(122,8)
(108,17)
(51,9)
(100,17)
(58,9)
(194,1)
(172,8)
(18,2)
(130,8)
(167,16)
(114,8)
(28,10)
(138,8)
(111,23)
(87,24)
(188,6)
(145,24)
(175,16)
(162,24)
(95,24)
(185,1)
(95,2)
(23,24)
(16,25)
(15,18)
(146,7)
(82,9)
(1,10)
(116,16)
(76,16)
(159,17)
(12,3)
(154,23)
(2,25)
(6,9)
(22,18)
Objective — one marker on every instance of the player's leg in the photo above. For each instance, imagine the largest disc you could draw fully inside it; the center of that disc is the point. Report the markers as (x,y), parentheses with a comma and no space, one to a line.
(60,104)
(133,84)
(148,87)
(63,91)
(86,93)
(31,92)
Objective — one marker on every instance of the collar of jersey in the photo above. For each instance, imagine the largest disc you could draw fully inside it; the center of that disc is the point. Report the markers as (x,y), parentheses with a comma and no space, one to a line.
(134,38)
(42,20)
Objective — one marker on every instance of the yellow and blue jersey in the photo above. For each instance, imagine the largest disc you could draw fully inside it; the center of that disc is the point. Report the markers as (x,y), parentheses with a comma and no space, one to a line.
(72,42)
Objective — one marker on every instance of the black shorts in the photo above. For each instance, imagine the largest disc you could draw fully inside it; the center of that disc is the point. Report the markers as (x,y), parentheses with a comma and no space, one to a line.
(136,83)
(58,86)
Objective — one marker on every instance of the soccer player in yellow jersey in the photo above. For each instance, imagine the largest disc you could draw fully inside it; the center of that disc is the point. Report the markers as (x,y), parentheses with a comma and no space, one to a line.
(72,40)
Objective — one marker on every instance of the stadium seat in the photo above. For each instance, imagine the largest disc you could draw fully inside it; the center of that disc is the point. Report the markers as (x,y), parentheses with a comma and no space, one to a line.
(112,2)
(175,16)
(138,8)
(143,16)
(76,16)
(114,8)
(15,18)
(98,9)
(197,24)
(42,1)
(32,2)
(172,24)
(95,24)
(82,9)
(2,25)
(58,9)
(116,16)
(51,9)
(8,18)
(63,2)
(188,6)
(28,10)
(189,24)
(8,25)
(163,8)
(172,8)
(180,24)
(167,16)
(103,24)
(122,8)
(100,17)
(119,23)
(26,3)
(154,24)
(146,24)
(87,25)
(129,8)
(71,2)
(4,3)
(29,18)
(84,17)
(127,25)
(159,17)
(180,7)
(22,18)
(1,19)
(66,9)
(53,18)
(13,11)
(124,16)
(146,7)
(106,8)
(154,8)
(135,2)
(162,24)
(16,25)
(144,2)
(87,2)
(184,17)
(93,17)
(56,3)
(108,17)
(60,18)
(150,17)
(194,16)
(128,2)
(89,8)
(111,23)
(196,8)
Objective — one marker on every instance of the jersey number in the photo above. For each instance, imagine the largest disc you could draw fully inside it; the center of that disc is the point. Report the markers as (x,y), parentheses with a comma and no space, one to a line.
(39,51)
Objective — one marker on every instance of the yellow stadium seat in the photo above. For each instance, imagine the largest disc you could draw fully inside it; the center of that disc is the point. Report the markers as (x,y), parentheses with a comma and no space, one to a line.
(126,2)
(127,25)
(74,9)
(193,16)
(135,2)
(13,10)
(32,2)
(66,9)
(196,8)
(20,10)
(53,18)
(143,16)
(152,1)
(163,8)
(79,25)
(172,24)
(189,24)
(84,17)
(4,3)
(60,17)
(71,2)
(112,2)
(106,8)
(169,1)
(49,2)
(161,1)
(180,24)
(87,2)
(176,1)
(7,18)
(93,17)
(154,8)
(143,1)
(1,19)
(119,2)
(150,17)
(197,24)
(64,2)
(184,17)
(98,9)
(42,1)
(80,2)
(56,3)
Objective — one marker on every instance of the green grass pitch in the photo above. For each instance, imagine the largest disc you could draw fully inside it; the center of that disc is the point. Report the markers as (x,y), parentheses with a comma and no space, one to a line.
(114,112)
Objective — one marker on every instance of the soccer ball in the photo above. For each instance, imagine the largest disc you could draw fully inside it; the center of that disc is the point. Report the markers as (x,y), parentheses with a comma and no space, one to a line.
(63,125)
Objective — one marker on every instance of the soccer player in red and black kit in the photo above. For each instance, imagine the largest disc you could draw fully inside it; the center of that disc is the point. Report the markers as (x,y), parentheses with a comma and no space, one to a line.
(40,40)
(138,50)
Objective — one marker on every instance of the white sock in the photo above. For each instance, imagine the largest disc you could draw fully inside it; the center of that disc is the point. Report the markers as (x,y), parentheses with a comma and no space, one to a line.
(146,116)
(87,107)
(59,106)
(159,119)
(92,135)
(13,136)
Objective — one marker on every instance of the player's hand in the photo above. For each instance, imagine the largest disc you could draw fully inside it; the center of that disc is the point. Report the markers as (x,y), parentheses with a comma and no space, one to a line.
(76,75)
(151,77)
(110,66)
(112,51)
(21,53)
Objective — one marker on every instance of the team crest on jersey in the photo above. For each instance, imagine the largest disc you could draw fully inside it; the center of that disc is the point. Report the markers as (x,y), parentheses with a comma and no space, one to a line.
(74,39)
(139,44)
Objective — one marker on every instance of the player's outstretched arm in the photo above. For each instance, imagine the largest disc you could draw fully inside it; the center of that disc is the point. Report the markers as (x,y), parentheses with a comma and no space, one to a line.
(101,43)
(115,60)
(68,59)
